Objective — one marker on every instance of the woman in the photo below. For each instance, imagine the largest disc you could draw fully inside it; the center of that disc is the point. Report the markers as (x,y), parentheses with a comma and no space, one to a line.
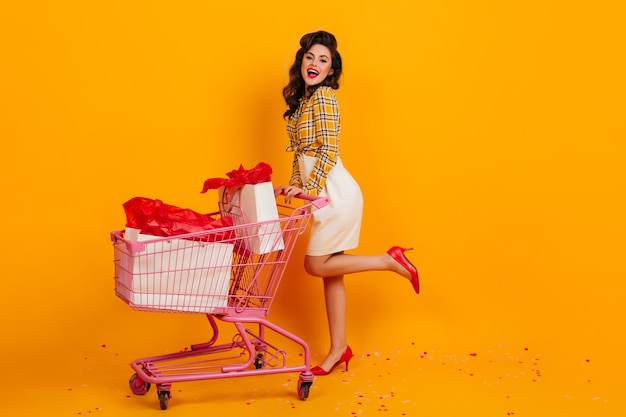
(313,127)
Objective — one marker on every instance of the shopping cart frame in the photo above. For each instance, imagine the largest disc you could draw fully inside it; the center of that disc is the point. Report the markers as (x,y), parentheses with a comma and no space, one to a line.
(254,281)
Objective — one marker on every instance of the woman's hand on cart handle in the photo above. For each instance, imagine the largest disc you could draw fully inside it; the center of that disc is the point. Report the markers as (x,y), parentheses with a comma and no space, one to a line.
(292,191)
(289,191)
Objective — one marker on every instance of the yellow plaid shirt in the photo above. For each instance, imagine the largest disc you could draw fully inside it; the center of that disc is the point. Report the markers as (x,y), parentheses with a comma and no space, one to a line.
(314,130)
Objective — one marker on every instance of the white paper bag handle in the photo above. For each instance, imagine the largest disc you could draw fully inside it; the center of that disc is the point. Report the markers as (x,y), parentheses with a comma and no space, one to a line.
(228,198)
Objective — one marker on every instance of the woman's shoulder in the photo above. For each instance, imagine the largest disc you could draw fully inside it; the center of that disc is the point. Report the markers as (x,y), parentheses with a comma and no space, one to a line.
(324,91)
(324,94)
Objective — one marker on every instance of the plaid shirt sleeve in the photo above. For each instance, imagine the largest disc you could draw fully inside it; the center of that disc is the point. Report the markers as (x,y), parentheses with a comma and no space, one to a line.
(326,133)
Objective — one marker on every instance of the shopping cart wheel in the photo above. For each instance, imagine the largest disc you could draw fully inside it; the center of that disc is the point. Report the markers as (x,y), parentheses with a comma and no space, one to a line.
(137,385)
(164,398)
(258,362)
(303,389)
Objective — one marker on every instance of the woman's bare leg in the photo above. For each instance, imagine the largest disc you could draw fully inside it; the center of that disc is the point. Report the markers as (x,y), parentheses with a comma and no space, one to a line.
(332,268)
(335,296)
(341,264)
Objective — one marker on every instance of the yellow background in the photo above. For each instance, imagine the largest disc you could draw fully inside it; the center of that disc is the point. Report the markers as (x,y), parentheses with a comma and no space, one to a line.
(488,135)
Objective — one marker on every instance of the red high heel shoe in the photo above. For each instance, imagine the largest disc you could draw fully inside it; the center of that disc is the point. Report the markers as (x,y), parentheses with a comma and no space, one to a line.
(397,253)
(345,357)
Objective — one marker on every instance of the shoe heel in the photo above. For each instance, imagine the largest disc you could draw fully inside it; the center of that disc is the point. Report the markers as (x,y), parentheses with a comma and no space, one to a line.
(347,356)
(347,362)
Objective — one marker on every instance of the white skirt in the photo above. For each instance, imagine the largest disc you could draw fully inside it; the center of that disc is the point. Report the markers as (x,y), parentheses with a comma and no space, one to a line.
(336,227)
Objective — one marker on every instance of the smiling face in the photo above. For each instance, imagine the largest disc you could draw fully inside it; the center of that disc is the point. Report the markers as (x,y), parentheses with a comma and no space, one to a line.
(316,65)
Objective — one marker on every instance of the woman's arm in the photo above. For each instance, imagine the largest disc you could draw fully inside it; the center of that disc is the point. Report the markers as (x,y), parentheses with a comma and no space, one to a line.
(326,119)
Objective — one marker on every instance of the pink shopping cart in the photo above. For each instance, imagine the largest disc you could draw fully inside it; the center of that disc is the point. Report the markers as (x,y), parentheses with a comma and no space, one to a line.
(229,274)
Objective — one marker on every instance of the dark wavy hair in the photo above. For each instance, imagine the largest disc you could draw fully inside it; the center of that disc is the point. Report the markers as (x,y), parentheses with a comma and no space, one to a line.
(294,91)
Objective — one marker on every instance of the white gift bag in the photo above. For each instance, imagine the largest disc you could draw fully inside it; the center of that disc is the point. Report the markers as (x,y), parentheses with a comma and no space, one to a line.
(254,203)
(176,274)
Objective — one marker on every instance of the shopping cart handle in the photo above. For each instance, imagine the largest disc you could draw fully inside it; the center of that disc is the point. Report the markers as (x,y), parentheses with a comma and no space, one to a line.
(318,202)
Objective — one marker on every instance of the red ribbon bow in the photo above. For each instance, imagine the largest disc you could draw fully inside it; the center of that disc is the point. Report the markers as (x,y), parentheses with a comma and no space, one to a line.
(238,177)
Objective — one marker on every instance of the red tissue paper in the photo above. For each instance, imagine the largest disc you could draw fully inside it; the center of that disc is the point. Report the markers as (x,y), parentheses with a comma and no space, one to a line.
(154,217)
(238,177)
